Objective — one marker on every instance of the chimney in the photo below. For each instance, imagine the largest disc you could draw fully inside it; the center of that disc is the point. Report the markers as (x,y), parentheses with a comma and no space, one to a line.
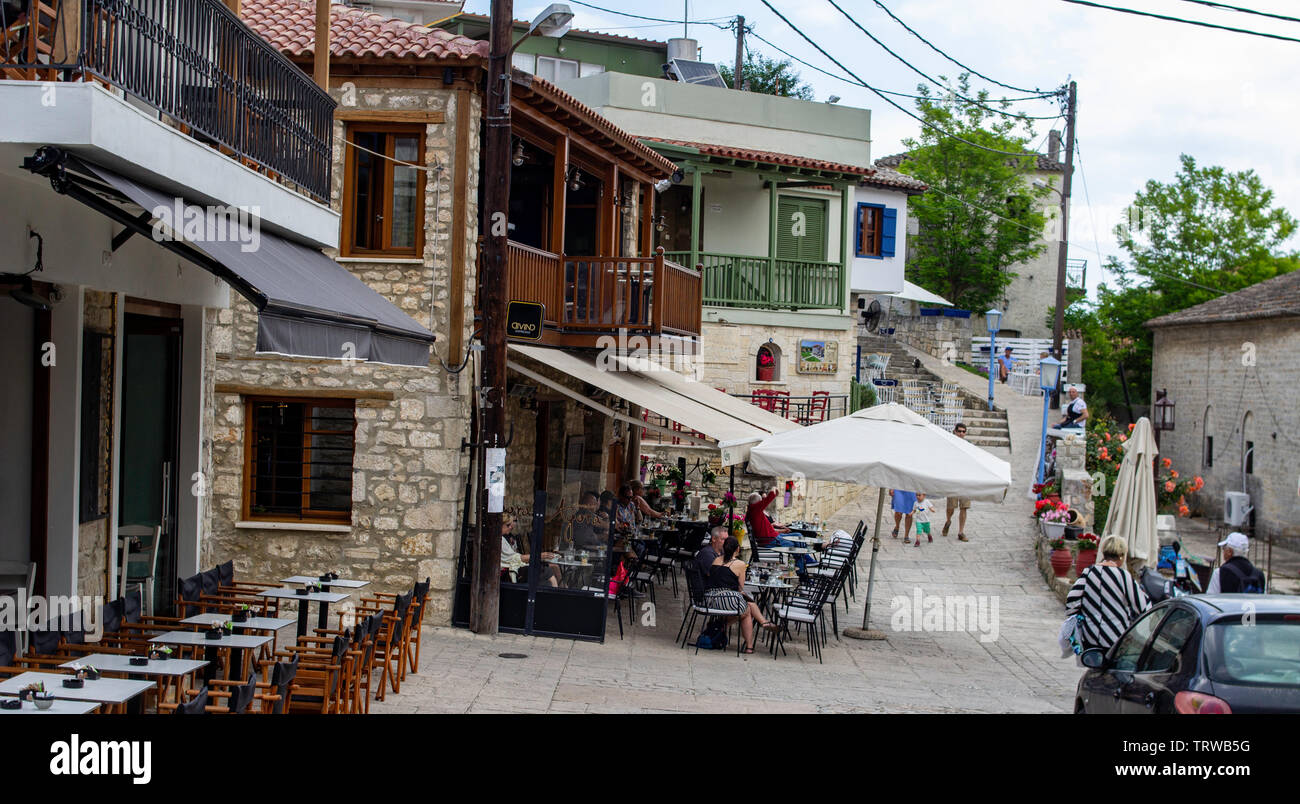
(1054,145)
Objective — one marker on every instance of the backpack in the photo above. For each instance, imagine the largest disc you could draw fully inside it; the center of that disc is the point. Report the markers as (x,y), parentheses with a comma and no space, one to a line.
(715,636)
(1252,584)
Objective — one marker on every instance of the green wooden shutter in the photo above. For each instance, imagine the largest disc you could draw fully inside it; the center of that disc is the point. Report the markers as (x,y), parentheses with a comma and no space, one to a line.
(812,245)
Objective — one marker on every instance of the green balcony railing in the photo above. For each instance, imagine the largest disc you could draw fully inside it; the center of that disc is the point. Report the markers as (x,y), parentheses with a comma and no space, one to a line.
(736,280)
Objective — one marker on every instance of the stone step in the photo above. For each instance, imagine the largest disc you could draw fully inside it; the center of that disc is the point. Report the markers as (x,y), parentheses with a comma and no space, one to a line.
(988,441)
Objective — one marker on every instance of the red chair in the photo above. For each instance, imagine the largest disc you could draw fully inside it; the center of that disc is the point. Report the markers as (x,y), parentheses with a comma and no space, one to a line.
(816,408)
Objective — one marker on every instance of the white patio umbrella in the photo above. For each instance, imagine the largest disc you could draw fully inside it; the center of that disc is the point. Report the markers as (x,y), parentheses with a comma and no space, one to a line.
(890,447)
(1133,500)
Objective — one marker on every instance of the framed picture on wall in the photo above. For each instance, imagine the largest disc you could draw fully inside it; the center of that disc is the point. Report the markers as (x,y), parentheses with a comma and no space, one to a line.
(818,357)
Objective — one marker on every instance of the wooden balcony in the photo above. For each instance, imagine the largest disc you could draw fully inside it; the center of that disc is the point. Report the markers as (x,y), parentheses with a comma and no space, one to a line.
(587,297)
(735,280)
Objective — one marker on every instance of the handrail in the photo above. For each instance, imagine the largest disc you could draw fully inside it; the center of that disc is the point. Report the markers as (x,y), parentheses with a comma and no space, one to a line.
(740,280)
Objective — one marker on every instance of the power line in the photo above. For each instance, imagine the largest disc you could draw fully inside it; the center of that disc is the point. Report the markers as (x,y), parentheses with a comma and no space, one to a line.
(882,95)
(1180,19)
(651,19)
(921,73)
(1087,197)
(971,70)
(1227,7)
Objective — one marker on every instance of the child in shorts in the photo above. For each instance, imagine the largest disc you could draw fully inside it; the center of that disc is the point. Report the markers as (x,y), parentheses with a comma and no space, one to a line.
(921,516)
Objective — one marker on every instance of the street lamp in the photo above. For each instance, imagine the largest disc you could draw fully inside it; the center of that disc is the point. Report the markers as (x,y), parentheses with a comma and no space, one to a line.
(1164,414)
(993,319)
(1049,374)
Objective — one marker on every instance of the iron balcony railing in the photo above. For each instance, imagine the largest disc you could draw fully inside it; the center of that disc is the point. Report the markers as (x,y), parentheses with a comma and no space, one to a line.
(193,61)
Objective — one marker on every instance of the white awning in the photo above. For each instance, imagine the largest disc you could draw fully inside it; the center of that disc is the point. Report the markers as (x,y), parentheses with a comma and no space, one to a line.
(734,423)
(917,293)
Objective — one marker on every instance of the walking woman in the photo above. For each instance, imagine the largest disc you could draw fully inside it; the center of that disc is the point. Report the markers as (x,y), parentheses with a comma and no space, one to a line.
(1106,598)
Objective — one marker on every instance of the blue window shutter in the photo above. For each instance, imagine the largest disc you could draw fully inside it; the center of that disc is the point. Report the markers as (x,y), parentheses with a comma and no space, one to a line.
(887,235)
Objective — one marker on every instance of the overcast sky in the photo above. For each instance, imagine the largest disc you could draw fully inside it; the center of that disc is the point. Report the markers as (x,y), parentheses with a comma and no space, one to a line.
(1148,89)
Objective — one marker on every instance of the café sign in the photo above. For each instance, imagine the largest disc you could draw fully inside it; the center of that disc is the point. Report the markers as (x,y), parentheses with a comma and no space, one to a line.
(524,320)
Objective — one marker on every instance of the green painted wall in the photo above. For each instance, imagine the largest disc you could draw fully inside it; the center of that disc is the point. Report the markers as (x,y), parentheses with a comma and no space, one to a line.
(623,57)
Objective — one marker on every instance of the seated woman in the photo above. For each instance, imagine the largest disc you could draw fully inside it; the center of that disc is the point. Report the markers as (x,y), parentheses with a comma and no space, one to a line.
(513,558)
(724,584)
(638,499)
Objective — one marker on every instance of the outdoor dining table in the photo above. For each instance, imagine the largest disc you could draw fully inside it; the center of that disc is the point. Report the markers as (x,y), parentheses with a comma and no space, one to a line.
(110,691)
(322,598)
(60,706)
(342,583)
(166,671)
(211,646)
(270,624)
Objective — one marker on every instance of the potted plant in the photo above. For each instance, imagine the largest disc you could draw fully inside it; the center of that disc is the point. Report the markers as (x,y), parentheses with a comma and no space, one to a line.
(28,692)
(1060,557)
(162,652)
(217,631)
(242,613)
(1053,520)
(86,672)
(1087,552)
(766,368)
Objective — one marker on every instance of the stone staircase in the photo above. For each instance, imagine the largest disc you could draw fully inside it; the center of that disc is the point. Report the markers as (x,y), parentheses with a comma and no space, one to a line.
(987,428)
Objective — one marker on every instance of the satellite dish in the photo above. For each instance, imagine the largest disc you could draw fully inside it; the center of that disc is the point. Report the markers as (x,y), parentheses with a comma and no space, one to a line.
(695,72)
(872,315)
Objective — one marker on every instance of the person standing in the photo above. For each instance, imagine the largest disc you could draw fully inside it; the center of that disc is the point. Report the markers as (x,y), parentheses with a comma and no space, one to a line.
(1106,597)
(921,516)
(1236,574)
(902,504)
(960,504)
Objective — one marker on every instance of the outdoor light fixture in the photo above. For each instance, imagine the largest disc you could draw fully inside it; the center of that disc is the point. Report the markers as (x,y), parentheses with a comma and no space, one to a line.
(575,184)
(518,158)
(993,319)
(25,294)
(660,224)
(1049,374)
(1164,411)
(553,22)
(833,99)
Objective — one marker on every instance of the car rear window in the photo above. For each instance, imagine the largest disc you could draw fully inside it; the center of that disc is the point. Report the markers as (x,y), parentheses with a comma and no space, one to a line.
(1265,652)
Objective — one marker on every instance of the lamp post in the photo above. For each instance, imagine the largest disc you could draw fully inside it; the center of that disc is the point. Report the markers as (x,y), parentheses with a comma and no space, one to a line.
(485,586)
(1049,374)
(993,320)
(1164,414)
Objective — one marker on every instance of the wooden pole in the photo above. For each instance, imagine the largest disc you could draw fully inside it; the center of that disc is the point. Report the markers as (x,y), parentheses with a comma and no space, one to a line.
(486,583)
(737,82)
(1058,323)
(321,50)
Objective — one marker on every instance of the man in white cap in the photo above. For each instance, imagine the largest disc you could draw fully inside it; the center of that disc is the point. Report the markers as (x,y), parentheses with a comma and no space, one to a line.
(1236,574)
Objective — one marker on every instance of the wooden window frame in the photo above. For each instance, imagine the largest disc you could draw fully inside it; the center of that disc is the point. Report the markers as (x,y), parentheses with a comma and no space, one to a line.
(307,515)
(873,250)
(346,246)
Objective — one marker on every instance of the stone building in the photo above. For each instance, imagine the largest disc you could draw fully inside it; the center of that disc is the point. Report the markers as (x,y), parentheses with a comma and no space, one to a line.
(1229,366)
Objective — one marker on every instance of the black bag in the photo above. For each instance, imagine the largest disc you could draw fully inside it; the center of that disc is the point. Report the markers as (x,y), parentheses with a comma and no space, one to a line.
(717,634)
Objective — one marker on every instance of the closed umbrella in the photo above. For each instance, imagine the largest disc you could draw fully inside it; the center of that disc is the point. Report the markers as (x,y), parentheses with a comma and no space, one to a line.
(1133,500)
(887,446)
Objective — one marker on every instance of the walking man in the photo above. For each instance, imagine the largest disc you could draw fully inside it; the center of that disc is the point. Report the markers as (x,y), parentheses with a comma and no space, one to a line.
(960,504)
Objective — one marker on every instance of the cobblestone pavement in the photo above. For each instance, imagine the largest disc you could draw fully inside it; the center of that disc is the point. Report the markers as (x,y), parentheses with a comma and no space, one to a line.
(910,671)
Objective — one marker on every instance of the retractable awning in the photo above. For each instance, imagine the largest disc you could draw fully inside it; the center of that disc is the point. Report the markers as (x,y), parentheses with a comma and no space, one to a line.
(735,424)
(917,293)
(308,305)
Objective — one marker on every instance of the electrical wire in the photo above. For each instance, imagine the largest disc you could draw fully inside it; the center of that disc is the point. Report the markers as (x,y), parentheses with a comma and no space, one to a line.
(882,96)
(1092,220)
(1226,7)
(1180,19)
(921,73)
(437,167)
(970,70)
(652,19)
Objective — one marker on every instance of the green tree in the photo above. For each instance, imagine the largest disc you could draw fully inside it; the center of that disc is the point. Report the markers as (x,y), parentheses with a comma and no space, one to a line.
(768,76)
(1206,233)
(982,213)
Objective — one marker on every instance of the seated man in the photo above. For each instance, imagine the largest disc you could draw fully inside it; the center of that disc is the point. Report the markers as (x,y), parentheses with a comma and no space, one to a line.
(585,529)
(705,557)
(1076,410)
(764,533)
(1005,365)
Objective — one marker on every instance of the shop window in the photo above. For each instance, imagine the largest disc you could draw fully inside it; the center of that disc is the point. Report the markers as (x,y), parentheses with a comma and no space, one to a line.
(383,191)
(299,460)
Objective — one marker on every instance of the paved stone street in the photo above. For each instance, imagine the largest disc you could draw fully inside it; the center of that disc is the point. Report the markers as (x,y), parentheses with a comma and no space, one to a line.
(1019,671)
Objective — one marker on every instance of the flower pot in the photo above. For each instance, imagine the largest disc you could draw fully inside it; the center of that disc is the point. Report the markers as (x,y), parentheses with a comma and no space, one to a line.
(765,373)
(1054,530)
(1061,561)
(214,633)
(1073,531)
(240,616)
(1085,559)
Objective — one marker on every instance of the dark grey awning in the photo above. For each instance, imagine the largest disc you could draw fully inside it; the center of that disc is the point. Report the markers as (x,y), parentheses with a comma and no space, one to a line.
(308,305)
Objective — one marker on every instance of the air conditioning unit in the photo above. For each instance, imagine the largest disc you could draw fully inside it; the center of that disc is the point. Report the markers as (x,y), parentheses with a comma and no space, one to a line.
(1236,508)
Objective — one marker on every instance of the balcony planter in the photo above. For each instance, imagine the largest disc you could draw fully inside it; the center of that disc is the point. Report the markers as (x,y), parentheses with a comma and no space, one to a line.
(931,311)
(951,313)
(764,373)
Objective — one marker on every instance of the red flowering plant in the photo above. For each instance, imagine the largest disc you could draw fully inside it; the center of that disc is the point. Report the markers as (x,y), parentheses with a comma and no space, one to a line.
(1087,541)
(765,358)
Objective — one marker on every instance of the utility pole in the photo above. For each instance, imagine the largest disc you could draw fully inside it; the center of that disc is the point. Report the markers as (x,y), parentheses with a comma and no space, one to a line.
(737,82)
(485,592)
(1058,326)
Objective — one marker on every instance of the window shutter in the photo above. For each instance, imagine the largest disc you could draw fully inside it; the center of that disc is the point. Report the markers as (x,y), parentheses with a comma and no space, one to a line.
(813,247)
(787,245)
(890,220)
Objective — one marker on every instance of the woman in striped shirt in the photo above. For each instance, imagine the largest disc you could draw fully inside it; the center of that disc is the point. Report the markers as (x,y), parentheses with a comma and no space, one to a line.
(1106,597)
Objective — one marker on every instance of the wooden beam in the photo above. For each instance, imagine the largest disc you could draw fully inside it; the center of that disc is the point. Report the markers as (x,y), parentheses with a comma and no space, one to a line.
(389,115)
(647,218)
(321,48)
(458,260)
(306,393)
(559,194)
(611,154)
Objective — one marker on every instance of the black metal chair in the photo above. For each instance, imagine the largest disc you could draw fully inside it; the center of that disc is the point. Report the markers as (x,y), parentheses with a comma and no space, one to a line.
(697,606)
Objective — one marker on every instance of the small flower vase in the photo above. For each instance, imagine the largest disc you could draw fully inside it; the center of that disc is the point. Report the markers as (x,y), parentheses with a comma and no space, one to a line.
(1061,561)
(1054,530)
(764,373)
(1085,559)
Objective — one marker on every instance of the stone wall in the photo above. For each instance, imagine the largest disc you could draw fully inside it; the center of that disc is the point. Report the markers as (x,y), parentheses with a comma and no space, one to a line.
(728,355)
(407,478)
(941,336)
(99,314)
(1074,480)
(1234,382)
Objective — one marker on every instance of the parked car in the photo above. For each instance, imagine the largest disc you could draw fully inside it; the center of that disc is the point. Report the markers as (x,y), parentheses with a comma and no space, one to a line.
(1201,654)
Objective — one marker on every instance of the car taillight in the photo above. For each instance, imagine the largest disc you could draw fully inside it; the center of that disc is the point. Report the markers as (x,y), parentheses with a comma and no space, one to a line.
(1198,703)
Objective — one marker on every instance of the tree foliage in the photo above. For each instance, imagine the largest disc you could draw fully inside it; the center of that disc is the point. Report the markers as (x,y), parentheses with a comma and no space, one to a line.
(982,214)
(768,77)
(1206,233)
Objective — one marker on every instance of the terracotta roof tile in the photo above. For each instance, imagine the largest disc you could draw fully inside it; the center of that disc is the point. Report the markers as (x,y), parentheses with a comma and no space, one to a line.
(884,177)
(1273,298)
(1045,162)
(770,157)
(290,26)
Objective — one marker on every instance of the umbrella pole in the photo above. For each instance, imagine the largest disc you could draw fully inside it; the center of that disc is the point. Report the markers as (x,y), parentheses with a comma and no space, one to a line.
(864,632)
